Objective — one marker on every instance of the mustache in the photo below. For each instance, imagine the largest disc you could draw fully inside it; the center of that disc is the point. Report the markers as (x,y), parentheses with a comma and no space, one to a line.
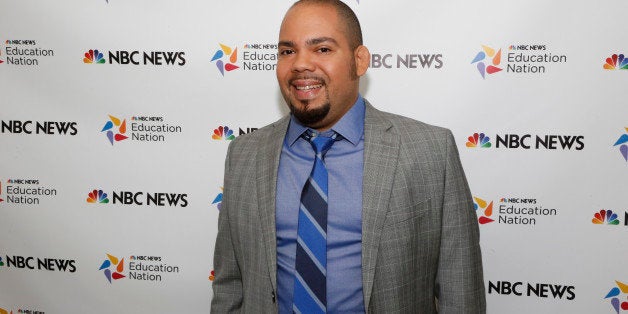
(307,77)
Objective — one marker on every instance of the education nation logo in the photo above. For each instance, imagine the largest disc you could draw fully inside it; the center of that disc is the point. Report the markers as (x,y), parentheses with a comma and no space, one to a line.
(623,147)
(112,268)
(140,128)
(487,61)
(225,59)
(115,129)
(618,297)
(512,211)
(486,210)
(616,62)
(479,140)
(26,191)
(535,59)
(253,56)
(139,268)
(25,52)
(218,199)
(97,196)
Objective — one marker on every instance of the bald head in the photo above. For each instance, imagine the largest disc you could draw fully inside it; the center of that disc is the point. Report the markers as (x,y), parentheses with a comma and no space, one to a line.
(352,28)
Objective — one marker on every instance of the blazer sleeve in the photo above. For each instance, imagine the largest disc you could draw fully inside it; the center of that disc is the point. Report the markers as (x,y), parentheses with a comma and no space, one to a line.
(459,280)
(227,284)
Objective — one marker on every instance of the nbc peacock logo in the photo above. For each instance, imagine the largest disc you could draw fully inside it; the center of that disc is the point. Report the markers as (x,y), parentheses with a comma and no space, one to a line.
(97,197)
(3,311)
(487,61)
(605,217)
(115,129)
(623,147)
(112,268)
(616,62)
(478,140)
(485,209)
(223,133)
(93,56)
(225,59)
(618,297)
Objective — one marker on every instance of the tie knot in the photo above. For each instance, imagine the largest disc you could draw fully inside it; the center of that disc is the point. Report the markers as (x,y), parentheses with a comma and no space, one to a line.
(320,144)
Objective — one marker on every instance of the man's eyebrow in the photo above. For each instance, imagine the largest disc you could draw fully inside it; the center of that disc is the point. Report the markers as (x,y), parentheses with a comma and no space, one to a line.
(309,42)
(320,40)
(286,43)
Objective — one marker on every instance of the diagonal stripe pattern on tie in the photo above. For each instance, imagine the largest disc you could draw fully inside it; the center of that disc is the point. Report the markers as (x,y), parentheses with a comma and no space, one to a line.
(310,290)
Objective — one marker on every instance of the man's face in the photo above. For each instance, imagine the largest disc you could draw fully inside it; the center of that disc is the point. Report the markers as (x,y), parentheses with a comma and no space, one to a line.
(316,69)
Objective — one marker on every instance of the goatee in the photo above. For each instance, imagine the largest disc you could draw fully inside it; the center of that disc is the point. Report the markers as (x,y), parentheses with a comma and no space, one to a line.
(310,117)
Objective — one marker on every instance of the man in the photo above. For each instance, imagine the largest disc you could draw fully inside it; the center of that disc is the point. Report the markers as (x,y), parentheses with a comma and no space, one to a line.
(392,205)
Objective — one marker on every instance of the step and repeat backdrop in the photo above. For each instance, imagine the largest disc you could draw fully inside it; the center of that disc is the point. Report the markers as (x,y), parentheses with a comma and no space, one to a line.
(116,116)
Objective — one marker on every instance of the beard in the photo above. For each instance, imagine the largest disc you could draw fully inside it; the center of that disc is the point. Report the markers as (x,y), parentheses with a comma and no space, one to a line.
(309,117)
(307,113)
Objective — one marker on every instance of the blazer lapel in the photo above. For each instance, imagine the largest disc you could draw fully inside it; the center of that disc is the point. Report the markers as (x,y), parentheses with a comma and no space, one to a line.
(267,166)
(381,152)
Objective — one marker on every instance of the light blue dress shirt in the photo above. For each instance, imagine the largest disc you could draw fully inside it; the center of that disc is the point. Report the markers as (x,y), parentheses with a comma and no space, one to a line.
(345,165)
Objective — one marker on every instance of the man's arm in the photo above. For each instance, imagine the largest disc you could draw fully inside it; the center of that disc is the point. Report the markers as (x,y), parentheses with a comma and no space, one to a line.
(459,281)
(227,285)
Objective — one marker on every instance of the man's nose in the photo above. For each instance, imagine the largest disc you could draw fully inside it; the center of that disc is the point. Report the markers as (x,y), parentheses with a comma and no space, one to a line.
(303,61)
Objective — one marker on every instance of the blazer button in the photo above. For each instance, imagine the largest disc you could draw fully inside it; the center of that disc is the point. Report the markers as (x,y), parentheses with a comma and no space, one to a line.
(273,295)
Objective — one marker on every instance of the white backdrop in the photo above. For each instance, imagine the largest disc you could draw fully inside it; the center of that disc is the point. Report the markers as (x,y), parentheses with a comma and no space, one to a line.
(160,72)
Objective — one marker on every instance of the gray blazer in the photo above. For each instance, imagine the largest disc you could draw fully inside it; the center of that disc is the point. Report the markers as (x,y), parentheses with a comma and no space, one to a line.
(420,238)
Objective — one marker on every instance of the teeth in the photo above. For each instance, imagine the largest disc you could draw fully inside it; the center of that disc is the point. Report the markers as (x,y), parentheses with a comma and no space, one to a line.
(308,87)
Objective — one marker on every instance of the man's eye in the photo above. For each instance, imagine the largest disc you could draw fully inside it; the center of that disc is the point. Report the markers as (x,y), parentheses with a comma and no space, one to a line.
(286,52)
(324,50)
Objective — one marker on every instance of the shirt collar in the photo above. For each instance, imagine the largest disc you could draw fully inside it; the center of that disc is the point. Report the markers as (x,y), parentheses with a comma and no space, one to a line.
(350,126)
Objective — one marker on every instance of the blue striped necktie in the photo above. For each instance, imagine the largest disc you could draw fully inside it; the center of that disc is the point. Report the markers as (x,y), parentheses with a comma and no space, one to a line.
(310,290)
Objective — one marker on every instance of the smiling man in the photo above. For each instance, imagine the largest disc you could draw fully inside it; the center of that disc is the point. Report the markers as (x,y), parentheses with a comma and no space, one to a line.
(340,207)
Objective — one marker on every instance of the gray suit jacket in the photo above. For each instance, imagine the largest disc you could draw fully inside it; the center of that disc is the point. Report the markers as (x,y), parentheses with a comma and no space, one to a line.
(420,238)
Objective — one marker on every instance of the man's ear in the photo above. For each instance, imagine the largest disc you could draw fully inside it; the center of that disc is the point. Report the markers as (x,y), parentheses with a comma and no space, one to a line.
(362,59)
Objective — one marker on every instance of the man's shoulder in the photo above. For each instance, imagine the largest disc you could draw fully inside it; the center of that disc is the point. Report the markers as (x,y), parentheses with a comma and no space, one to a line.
(407,126)
(418,141)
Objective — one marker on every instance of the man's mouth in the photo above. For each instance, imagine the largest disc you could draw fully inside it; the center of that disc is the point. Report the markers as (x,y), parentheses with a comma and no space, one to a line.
(308,87)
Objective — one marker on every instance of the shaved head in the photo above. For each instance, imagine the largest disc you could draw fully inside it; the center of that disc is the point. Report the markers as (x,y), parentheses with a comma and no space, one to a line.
(352,28)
